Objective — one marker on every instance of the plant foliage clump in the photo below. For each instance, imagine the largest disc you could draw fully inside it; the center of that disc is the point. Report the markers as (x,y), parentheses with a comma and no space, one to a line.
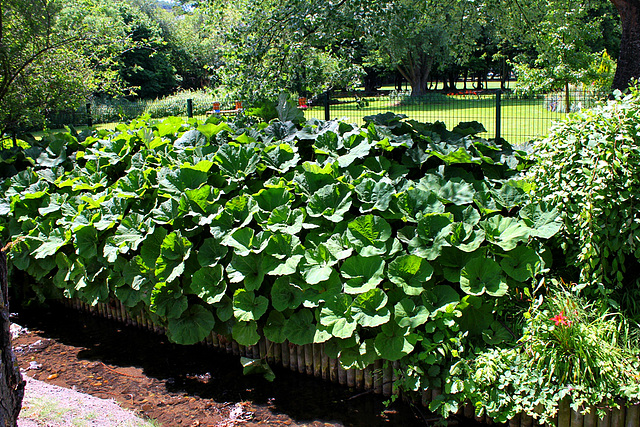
(398,240)
(589,167)
(570,349)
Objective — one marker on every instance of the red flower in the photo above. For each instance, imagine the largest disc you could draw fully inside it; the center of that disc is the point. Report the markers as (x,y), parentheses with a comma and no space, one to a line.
(561,319)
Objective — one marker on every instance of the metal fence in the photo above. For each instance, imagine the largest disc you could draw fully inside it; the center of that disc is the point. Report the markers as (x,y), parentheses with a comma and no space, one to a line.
(504,115)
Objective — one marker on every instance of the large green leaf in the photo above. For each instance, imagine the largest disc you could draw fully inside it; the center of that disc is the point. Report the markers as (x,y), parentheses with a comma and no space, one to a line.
(374,195)
(336,316)
(369,309)
(369,235)
(411,272)
(173,183)
(174,251)
(245,333)
(86,242)
(407,313)
(394,342)
(465,237)
(236,162)
(363,274)
(522,263)
(545,222)
(211,252)
(249,269)
(247,307)
(50,241)
(431,235)
(281,157)
(416,202)
(285,220)
(440,299)
(245,241)
(285,294)
(317,264)
(274,327)
(207,284)
(482,275)
(131,232)
(330,202)
(168,301)
(269,199)
(299,328)
(505,232)
(193,326)
(457,191)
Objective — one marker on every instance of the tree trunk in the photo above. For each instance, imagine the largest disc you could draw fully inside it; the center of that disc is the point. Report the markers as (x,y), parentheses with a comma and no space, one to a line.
(418,75)
(11,383)
(629,59)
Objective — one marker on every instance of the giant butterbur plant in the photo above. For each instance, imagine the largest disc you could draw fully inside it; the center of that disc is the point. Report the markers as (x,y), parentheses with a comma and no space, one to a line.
(380,241)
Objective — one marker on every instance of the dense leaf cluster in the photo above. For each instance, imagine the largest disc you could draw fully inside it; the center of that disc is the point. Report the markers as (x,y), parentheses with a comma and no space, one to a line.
(588,166)
(381,241)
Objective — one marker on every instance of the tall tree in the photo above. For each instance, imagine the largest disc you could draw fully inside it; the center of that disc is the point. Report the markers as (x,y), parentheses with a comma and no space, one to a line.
(629,59)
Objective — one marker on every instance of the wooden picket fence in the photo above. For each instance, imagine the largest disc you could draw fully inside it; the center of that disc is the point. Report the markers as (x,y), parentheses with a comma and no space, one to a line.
(311,359)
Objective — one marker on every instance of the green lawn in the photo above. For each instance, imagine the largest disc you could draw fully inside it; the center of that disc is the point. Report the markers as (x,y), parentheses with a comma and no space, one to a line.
(522,120)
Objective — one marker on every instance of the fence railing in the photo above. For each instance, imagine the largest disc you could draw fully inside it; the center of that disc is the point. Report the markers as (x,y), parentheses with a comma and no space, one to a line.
(504,115)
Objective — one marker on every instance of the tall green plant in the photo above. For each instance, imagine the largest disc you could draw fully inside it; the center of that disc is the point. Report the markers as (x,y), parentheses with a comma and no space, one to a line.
(589,168)
(570,349)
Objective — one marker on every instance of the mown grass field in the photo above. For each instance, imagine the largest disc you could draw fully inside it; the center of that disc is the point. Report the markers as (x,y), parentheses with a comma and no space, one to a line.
(522,120)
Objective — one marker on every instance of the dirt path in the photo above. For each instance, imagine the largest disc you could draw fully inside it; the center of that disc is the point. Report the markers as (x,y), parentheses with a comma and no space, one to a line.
(49,405)
(177,385)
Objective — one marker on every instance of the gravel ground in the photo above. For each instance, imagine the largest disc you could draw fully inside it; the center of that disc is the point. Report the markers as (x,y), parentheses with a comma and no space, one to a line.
(48,405)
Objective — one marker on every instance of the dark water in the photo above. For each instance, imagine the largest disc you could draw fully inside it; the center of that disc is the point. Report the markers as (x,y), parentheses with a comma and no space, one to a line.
(301,397)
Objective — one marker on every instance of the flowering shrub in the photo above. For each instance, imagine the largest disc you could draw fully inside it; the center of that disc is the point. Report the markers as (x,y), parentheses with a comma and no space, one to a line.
(569,349)
(589,167)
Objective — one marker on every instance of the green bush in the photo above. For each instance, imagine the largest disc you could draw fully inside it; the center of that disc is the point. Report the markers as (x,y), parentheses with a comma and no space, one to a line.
(570,348)
(589,167)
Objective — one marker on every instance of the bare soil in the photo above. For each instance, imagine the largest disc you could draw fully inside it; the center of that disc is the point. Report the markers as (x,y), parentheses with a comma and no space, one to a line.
(185,386)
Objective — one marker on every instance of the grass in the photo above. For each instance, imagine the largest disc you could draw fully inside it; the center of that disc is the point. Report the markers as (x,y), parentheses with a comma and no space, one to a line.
(522,120)
(52,412)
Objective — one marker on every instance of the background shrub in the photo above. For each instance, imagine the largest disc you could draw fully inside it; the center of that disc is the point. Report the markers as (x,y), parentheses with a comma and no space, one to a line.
(589,167)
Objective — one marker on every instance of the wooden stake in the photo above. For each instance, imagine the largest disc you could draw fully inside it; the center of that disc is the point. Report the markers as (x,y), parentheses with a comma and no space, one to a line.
(564,413)
(317,360)
(577,418)
(293,357)
(351,377)
(308,359)
(377,376)
(333,370)
(617,416)
(342,374)
(285,353)
(302,367)
(325,365)
(359,379)
(606,421)
(368,377)
(633,416)
(387,379)
(526,421)
(269,345)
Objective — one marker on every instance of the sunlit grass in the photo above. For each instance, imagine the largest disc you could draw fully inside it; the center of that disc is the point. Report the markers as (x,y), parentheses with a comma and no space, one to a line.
(522,120)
